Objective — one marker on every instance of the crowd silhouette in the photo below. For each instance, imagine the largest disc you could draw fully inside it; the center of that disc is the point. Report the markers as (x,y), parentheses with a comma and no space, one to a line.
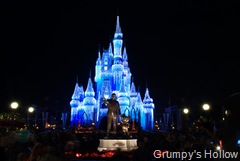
(53,145)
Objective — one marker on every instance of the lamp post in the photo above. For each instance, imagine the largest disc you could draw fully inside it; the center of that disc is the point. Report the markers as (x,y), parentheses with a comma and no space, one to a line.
(22,112)
(186,112)
(14,106)
(30,110)
(206,107)
(206,118)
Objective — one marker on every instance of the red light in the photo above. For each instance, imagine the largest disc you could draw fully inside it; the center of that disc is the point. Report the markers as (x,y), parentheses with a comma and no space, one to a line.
(220,143)
(78,155)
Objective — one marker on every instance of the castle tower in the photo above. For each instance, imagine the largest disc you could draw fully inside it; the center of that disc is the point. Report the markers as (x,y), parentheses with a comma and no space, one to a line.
(148,106)
(89,102)
(117,67)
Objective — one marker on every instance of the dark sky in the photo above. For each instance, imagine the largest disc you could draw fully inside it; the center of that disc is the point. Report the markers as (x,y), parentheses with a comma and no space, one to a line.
(186,51)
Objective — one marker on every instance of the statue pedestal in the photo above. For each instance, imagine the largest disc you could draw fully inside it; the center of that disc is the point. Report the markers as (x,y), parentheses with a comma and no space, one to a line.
(114,144)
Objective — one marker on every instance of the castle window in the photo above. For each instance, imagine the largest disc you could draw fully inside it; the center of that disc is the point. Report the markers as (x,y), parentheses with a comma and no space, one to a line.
(105,61)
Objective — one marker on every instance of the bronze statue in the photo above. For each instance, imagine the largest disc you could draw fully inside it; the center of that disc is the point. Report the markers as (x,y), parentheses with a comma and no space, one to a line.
(112,114)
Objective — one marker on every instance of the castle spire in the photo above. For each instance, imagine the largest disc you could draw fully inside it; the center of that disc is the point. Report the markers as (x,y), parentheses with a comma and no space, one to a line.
(98,62)
(89,91)
(76,92)
(89,99)
(117,43)
(148,101)
(99,52)
(118,28)
(110,50)
(125,57)
(133,88)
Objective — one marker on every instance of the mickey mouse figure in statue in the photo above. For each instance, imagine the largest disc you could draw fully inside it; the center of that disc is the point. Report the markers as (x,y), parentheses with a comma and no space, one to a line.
(125,125)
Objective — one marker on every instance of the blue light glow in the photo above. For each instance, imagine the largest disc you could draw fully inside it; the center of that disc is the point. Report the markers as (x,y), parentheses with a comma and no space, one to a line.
(112,74)
(238,142)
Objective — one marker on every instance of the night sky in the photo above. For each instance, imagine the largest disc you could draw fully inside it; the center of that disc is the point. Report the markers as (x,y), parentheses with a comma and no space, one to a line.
(183,51)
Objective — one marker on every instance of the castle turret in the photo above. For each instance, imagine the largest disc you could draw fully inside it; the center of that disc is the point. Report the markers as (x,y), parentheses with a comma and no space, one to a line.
(133,95)
(89,101)
(140,111)
(75,102)
(98,68)
(125,58)
(126,71)
(149,106)
(75,97)
(117,43)
(89,94)
(110,51)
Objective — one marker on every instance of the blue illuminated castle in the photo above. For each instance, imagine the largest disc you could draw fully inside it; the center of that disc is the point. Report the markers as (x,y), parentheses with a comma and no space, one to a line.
(112,75)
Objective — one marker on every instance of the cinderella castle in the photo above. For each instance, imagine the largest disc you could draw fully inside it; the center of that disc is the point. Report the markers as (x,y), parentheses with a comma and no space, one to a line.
(112,75)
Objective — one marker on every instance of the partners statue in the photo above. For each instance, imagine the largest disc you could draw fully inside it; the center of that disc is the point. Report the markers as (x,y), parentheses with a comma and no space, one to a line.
(112,113)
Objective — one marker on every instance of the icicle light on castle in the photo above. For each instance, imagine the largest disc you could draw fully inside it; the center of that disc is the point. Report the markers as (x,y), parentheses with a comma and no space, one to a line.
(112,74)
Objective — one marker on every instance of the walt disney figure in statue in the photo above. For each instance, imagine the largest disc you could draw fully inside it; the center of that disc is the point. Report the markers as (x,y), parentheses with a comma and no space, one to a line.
(112,113)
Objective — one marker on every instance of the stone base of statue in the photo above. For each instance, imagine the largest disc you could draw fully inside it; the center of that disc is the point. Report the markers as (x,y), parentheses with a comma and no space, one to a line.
(123,144)
(120,139)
